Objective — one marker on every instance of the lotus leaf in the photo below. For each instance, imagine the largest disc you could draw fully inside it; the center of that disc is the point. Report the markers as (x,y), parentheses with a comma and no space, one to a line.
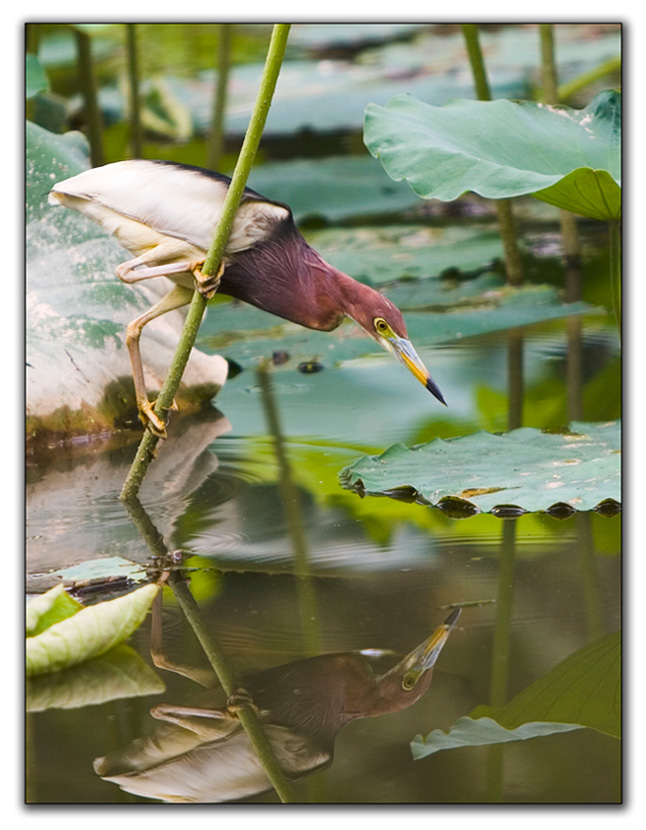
(499,149)
(90,632)
(526,468)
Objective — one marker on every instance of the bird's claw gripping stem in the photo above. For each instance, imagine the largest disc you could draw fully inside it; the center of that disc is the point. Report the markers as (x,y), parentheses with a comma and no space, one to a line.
(207,284)
(151,420)
(240,699)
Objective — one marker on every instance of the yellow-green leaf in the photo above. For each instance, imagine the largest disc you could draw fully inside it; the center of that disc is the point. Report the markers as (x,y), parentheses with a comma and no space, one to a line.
(90,632)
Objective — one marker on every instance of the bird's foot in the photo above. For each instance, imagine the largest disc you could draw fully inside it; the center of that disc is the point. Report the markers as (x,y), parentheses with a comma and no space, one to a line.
(240,699)
(207,284)
(151,420)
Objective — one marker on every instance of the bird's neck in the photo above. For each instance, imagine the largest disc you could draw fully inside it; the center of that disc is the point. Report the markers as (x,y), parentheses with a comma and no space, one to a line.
(288,278)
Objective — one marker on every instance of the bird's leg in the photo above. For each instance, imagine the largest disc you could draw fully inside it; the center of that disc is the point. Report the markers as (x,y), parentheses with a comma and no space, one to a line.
(202,676)
(127,273)
(207,724)
(163,260)
(207,284)
(178,296)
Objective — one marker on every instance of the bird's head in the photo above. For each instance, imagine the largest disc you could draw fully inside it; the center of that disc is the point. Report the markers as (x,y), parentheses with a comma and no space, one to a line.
(383,321)
(406,682)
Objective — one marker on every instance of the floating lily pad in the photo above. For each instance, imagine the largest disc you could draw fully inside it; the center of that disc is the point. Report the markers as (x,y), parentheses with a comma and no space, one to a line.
(88,633)
(47,609)
(526,469)
(570,158)
(584,690)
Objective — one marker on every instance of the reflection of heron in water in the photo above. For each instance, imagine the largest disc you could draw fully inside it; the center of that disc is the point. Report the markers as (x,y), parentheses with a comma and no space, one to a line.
(202,754)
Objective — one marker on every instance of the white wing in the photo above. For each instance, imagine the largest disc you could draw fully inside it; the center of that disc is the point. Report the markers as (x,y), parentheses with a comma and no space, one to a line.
(175,201)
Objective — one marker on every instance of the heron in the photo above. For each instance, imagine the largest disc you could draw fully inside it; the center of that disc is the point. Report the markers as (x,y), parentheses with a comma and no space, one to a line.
(165,214)
(201,753)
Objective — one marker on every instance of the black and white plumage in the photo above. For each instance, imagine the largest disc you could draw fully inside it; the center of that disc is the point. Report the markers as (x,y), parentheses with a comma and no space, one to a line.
(165,214)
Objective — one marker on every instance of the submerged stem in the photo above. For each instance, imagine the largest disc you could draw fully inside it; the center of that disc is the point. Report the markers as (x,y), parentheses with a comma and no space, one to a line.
(246,715)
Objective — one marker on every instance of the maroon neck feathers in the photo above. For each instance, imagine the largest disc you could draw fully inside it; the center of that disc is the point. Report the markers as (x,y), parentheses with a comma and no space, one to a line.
(286,277)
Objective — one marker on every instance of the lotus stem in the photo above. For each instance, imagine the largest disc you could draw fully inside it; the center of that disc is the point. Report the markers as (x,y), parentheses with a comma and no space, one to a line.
(248,718)
(215,146)
(513,264)
(136,141)
(275,54)
(88,90)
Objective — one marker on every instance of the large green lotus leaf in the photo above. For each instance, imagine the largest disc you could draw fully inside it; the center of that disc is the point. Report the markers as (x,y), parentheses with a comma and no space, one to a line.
(584,690)
(500,149)
(314,468)
(89,633)
(117,674)
(246,334)
(528,469)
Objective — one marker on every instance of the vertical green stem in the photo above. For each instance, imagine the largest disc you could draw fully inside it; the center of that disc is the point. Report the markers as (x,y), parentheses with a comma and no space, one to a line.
(501,651)
(136,143)
(147,445)
(249,145)
(574,369)
(215,146)
(549,82)
(88,90)
(590,578)
(472,40)
(275,54)
(515,378)
(247,716)
(513,264)
(214,654)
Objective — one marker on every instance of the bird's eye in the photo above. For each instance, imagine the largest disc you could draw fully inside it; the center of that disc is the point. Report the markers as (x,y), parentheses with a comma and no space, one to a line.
(381,325)
(409,681)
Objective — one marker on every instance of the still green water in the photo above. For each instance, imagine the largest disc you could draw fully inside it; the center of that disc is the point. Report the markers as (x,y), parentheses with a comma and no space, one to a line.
(284,564)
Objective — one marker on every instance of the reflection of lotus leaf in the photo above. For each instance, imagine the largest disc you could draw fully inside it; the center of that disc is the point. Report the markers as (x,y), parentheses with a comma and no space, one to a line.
(584,690)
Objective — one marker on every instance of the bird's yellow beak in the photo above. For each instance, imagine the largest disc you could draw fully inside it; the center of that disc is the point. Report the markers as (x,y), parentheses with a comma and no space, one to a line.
(405,351)
(430,649)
